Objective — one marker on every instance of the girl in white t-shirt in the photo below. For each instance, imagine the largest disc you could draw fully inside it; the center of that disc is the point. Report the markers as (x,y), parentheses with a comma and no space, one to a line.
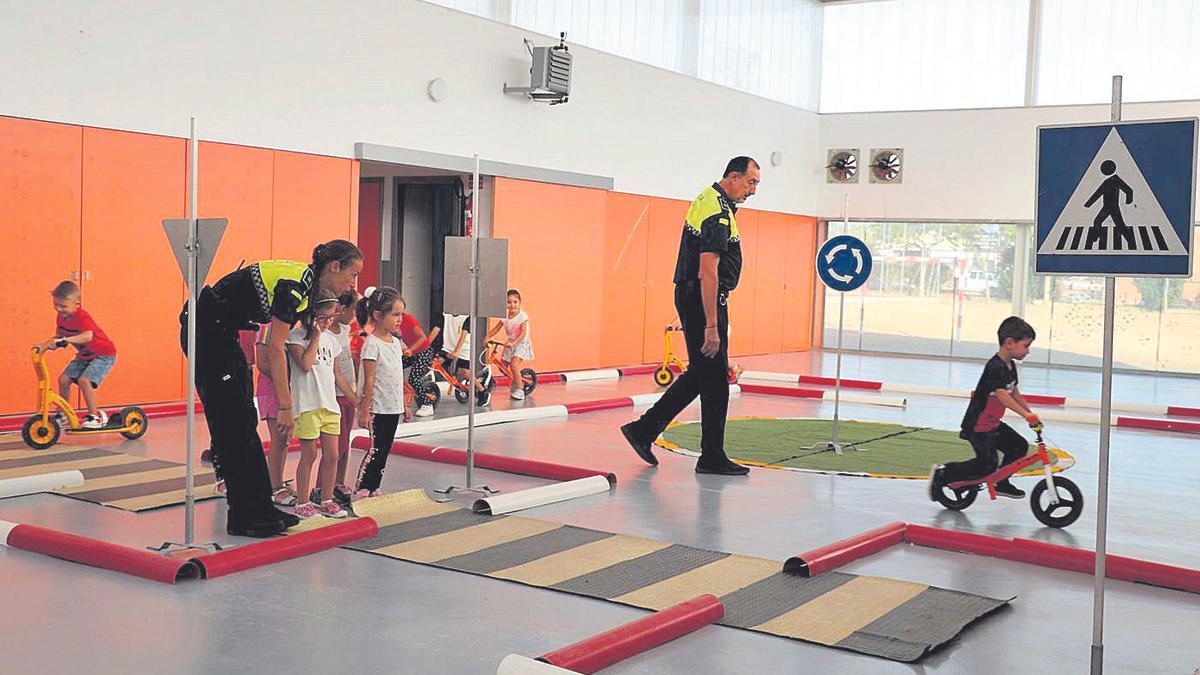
(347,403)
(518,348)
(382,361)
(315,383)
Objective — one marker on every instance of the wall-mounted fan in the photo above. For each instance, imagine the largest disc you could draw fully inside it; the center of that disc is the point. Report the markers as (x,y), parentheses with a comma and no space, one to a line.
(842,166)
(887,165)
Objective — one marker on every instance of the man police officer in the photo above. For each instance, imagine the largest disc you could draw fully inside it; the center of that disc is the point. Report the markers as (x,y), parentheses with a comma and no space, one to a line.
(707,270)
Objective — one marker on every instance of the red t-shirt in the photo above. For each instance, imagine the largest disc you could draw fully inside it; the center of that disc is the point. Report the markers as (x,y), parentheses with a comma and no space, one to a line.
(81,322)
(408,332)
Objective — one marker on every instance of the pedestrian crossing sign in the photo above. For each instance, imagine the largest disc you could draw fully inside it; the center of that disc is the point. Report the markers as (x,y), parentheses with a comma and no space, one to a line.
(1116,198)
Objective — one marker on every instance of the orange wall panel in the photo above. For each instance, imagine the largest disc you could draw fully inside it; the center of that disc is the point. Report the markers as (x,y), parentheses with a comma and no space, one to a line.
(235,183)
(132,285)
(769,282)
(39,221)
(555,235)
(799,279)
(311,203)
(623,304)
(662,248)
(742,300)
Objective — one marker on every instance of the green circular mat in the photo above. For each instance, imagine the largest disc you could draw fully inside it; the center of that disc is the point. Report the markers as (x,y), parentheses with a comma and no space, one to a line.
(880,451)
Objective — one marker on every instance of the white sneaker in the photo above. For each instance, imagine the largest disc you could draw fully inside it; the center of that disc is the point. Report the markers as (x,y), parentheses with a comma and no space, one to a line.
(424,411)
(518,394)
(103,418)
(92,422)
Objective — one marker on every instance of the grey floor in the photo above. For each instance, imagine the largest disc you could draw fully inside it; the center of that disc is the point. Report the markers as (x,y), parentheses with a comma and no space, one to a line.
(343,609)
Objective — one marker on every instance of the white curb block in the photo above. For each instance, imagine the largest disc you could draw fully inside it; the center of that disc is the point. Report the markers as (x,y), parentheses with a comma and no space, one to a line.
(46,482)
(515,664)
(584,375)
(540,496)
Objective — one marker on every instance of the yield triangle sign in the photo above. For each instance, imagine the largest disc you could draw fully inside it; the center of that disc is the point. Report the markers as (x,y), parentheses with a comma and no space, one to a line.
(208,235)
(1113,211)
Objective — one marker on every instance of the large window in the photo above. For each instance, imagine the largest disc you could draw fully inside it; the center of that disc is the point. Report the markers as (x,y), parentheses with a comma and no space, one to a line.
(1152,43)
(890,54)
(771,48)
(937,288)
(920,54)
(941,289)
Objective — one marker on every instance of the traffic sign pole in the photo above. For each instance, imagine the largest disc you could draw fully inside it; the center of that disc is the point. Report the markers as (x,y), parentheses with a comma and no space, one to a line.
(837,382)
(843,265)
(1110,296)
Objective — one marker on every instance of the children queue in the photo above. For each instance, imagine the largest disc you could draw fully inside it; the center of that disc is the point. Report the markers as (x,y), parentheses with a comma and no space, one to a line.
(338,373)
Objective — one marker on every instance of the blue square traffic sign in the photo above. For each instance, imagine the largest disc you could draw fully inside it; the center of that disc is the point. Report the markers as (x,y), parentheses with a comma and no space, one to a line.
(1116,198)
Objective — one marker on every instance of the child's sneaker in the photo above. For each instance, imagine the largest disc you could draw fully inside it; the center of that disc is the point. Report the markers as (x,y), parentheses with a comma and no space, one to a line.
(103,418)
(1007,489)
(935,481)
(306,510)
(518,394)
(425,410)
(361,494)
(92,422)
(483,399)
(342,495)
(331,509)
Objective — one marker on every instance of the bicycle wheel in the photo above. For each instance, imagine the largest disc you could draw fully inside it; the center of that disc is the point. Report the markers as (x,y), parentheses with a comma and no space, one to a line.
(528,380)
(1062,514)
(956,499)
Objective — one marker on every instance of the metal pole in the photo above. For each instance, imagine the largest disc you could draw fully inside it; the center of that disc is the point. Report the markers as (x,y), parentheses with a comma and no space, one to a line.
(189,518)
(1162,311)
(1110,297)
(472,319)
(837,383)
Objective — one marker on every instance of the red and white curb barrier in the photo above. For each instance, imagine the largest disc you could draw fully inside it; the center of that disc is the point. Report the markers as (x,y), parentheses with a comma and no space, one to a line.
(1027,551)
(800,392)
(518,465)
(1035,399)
(95,553)
(633,638)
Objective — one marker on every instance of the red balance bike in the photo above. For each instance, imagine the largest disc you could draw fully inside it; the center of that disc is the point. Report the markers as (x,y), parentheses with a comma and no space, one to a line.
(460,386)
(1055,501)
(491,357)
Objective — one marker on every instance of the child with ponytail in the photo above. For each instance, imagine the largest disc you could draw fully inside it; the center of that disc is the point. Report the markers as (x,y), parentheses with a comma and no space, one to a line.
(382,402)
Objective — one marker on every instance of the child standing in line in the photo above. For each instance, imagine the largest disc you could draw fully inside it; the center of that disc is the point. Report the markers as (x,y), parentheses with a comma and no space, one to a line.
(518,348)
(268,410)
(94,357)
(340,328)
(996,391)
(315,383)
(418,357)
(382,380)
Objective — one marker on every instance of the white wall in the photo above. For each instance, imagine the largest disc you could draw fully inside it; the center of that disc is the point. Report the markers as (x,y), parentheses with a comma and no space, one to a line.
(959,164)
(318,76)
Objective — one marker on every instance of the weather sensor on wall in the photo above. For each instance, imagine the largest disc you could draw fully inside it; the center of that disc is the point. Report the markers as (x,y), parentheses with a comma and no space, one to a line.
(842,166)
(887,165)
(549,75)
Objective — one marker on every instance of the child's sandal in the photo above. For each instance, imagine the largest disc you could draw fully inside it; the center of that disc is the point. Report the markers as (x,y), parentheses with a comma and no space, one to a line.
(288,500)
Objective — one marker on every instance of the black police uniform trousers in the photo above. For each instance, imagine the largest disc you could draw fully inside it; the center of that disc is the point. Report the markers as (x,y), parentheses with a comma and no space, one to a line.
(225,389)
(1003,439)
(705,377)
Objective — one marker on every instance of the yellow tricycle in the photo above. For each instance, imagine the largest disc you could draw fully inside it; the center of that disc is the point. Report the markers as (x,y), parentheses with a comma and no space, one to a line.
(43,428)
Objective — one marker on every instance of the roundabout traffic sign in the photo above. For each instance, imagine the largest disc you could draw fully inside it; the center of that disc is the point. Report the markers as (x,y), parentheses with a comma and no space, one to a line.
(844,263)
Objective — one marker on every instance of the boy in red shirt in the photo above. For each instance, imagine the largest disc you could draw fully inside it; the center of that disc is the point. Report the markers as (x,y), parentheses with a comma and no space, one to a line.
(95,353)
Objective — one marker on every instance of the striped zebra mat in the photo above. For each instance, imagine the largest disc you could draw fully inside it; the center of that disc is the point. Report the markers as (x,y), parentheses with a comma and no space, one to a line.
(126,482)
(892,619)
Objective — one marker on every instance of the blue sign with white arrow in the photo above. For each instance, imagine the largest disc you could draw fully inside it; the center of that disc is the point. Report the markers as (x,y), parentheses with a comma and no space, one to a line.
(844,263)
(1116,198)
